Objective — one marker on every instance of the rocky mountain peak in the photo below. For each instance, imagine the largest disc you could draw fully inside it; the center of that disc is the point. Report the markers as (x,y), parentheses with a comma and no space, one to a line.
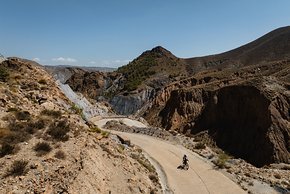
(158,51)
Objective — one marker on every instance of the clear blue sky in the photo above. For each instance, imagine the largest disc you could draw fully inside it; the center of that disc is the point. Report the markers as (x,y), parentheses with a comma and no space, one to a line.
(112,32)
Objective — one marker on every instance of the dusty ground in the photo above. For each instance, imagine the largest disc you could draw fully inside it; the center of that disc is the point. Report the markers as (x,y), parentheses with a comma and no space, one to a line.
(251,179)
(85,161)
(200,178)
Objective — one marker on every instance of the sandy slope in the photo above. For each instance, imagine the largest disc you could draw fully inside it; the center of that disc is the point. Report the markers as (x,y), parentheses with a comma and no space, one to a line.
(200,178)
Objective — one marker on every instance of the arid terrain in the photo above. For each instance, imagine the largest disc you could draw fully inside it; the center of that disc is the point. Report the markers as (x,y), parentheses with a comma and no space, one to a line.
(47,147)
(237,101)
(77,130)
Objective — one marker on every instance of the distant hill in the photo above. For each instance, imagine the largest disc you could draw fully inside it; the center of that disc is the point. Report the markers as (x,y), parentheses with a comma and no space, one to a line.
(274,46)
(159,66)
(64,72)
(154,66)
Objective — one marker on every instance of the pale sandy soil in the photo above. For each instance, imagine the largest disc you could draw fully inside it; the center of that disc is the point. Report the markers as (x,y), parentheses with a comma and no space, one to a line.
(200,178)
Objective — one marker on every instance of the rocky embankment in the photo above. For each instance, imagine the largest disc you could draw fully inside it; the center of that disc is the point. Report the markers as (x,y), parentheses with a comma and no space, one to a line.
(269,179)
(47,147)
(246,114)
(240,97)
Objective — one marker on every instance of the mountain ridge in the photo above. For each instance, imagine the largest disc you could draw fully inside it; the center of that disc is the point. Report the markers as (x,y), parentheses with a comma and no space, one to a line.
(160,62)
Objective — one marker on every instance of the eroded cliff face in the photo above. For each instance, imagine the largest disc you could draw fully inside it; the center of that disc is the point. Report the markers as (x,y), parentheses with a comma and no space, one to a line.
(250,120)
(91,84)
(130,104)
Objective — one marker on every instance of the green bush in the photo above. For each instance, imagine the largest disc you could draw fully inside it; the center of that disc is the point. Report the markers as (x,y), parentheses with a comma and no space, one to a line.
(17,168)
(76,109)
(96,129)
(105,134)
(137,71)
(42,148)
(221,161)
(59,130)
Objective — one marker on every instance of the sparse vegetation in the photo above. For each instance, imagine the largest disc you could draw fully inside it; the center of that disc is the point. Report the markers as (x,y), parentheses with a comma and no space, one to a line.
(15,137)
(153,178)
(277,176)
(60,154)
(42,148)
(58,130)
(76,109)
(4,74)
(17,168)
(105,134)
(52,113)
(22,115)
(200,146)
(6,149)
(137,71)
(33,126)
(25,128)
(221,161)
(106,149)
(12,109)
(143,161)
(42,81)
(95,129)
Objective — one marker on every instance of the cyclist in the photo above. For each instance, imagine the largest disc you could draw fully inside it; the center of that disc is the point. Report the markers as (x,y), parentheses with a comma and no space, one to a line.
(185,160)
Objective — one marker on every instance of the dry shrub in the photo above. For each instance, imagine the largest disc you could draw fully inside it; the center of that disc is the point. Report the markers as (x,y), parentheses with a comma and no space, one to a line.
(95,129)
(42,148)
(22,115)
(4,74)
(51,113)
(15,137)
(59,130)
(17,168)
(60,155)
(153,178)
(221,161)
(105,134)
(6,149)
(277,176)
(200,146)
(42,81)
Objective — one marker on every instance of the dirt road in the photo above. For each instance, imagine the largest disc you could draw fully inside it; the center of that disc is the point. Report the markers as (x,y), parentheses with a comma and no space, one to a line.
(200,178)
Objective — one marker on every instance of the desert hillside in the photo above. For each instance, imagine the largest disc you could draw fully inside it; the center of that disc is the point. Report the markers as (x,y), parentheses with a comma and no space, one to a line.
(274,46)
(47,147)
(240,98)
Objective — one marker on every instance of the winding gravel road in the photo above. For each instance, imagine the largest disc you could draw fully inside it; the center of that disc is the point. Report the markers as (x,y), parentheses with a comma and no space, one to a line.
(200,178)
